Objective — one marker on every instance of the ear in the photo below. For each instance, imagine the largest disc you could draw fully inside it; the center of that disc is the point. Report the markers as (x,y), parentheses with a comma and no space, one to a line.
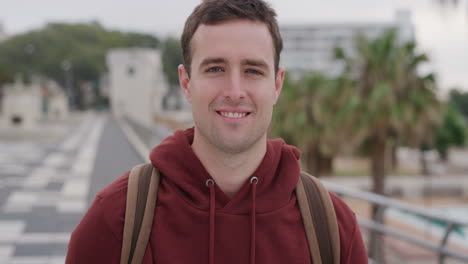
(279,83)
(184,82)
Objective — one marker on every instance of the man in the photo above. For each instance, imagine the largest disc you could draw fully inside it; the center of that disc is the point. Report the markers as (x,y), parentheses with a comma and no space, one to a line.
(221,173)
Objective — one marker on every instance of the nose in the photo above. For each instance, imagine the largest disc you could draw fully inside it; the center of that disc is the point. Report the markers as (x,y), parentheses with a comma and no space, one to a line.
(233,88)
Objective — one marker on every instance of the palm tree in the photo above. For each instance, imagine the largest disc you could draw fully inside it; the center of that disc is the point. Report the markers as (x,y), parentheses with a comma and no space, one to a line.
(396,102)
(314,114)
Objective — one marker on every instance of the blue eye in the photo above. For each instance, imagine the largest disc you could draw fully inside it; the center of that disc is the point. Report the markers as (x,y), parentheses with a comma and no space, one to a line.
(253,71)
(215,69)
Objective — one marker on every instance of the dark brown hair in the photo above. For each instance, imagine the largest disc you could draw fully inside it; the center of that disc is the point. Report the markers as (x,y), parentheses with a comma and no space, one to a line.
(211,12)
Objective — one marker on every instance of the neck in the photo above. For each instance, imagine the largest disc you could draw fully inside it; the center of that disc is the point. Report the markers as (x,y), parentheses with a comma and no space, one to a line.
(229,171)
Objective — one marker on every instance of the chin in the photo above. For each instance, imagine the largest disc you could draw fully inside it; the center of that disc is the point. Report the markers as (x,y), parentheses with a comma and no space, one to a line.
(235,145)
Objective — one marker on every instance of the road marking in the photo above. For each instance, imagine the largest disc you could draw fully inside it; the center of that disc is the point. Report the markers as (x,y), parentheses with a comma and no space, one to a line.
(36,260)
(76,182)
(76,206)
(76,188)
(27,189)
(55,160)
(11,230)
(42,238)
(39,178)
(5,253)
(73,141)
(15,169)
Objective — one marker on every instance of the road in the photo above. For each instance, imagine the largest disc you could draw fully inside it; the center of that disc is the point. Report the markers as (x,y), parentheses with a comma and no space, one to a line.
(47,185)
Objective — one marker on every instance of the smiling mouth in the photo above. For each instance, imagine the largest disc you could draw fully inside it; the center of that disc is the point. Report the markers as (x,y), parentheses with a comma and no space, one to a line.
(233,114)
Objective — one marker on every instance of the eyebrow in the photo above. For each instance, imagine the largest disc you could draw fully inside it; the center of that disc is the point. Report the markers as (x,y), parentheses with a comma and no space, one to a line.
(207,61)
(256,63)
(249,62)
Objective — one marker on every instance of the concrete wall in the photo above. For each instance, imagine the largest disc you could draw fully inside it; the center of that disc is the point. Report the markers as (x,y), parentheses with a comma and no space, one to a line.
(22,105)
(136,83)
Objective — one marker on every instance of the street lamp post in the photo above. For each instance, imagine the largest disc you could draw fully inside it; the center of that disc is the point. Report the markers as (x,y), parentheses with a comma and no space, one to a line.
(67,68)
(29,50)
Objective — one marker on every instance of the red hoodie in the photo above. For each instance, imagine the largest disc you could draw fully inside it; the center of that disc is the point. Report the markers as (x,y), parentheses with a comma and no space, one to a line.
(182,228)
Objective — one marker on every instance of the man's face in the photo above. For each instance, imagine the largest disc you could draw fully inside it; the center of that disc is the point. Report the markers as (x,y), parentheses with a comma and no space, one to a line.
(232,86)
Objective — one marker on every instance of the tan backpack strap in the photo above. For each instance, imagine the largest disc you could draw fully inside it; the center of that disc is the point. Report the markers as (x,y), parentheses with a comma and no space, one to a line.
(322,218)
(308,223)
(143,184)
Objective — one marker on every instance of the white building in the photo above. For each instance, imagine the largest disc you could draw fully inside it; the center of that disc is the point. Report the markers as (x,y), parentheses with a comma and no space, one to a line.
(21,105)
(137,83)
(310,47)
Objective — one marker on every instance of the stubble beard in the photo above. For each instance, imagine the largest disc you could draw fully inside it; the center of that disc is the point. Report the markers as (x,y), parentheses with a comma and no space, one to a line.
(216,138)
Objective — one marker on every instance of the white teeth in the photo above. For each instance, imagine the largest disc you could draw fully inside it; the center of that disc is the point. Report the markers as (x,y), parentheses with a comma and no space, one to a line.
(233,115)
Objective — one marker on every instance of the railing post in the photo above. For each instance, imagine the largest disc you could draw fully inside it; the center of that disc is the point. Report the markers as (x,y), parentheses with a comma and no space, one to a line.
(450,227)
(375,241)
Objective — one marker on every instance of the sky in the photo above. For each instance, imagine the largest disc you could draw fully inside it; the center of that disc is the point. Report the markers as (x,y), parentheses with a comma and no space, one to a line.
(441,30)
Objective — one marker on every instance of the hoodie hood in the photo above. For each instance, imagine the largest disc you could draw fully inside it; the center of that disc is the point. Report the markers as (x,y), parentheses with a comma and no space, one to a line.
(277,174)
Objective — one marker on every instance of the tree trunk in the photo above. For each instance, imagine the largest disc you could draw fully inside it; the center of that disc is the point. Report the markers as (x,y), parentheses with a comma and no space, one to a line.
(379,149)
(312,166)
(444,155)
(378,159)
(424,166)
(326,165)
(318,164)
(394,157)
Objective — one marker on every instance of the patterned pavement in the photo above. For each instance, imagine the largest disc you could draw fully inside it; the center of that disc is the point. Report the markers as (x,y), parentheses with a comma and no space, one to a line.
(44,188)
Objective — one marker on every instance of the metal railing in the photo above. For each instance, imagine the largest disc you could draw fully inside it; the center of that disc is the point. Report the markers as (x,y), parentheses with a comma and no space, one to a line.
(378,227)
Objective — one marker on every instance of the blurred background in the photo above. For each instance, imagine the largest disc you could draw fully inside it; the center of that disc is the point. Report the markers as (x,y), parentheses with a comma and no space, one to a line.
(376,98)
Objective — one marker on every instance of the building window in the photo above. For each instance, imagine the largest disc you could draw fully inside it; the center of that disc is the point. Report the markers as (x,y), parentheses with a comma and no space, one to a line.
(130,71)
(16,120)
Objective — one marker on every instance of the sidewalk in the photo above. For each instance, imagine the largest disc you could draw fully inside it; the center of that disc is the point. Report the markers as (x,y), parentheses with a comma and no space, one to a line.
(142,138)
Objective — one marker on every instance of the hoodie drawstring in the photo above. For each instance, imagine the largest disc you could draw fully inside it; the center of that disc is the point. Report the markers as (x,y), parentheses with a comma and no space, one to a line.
(210,184)
(253,182)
